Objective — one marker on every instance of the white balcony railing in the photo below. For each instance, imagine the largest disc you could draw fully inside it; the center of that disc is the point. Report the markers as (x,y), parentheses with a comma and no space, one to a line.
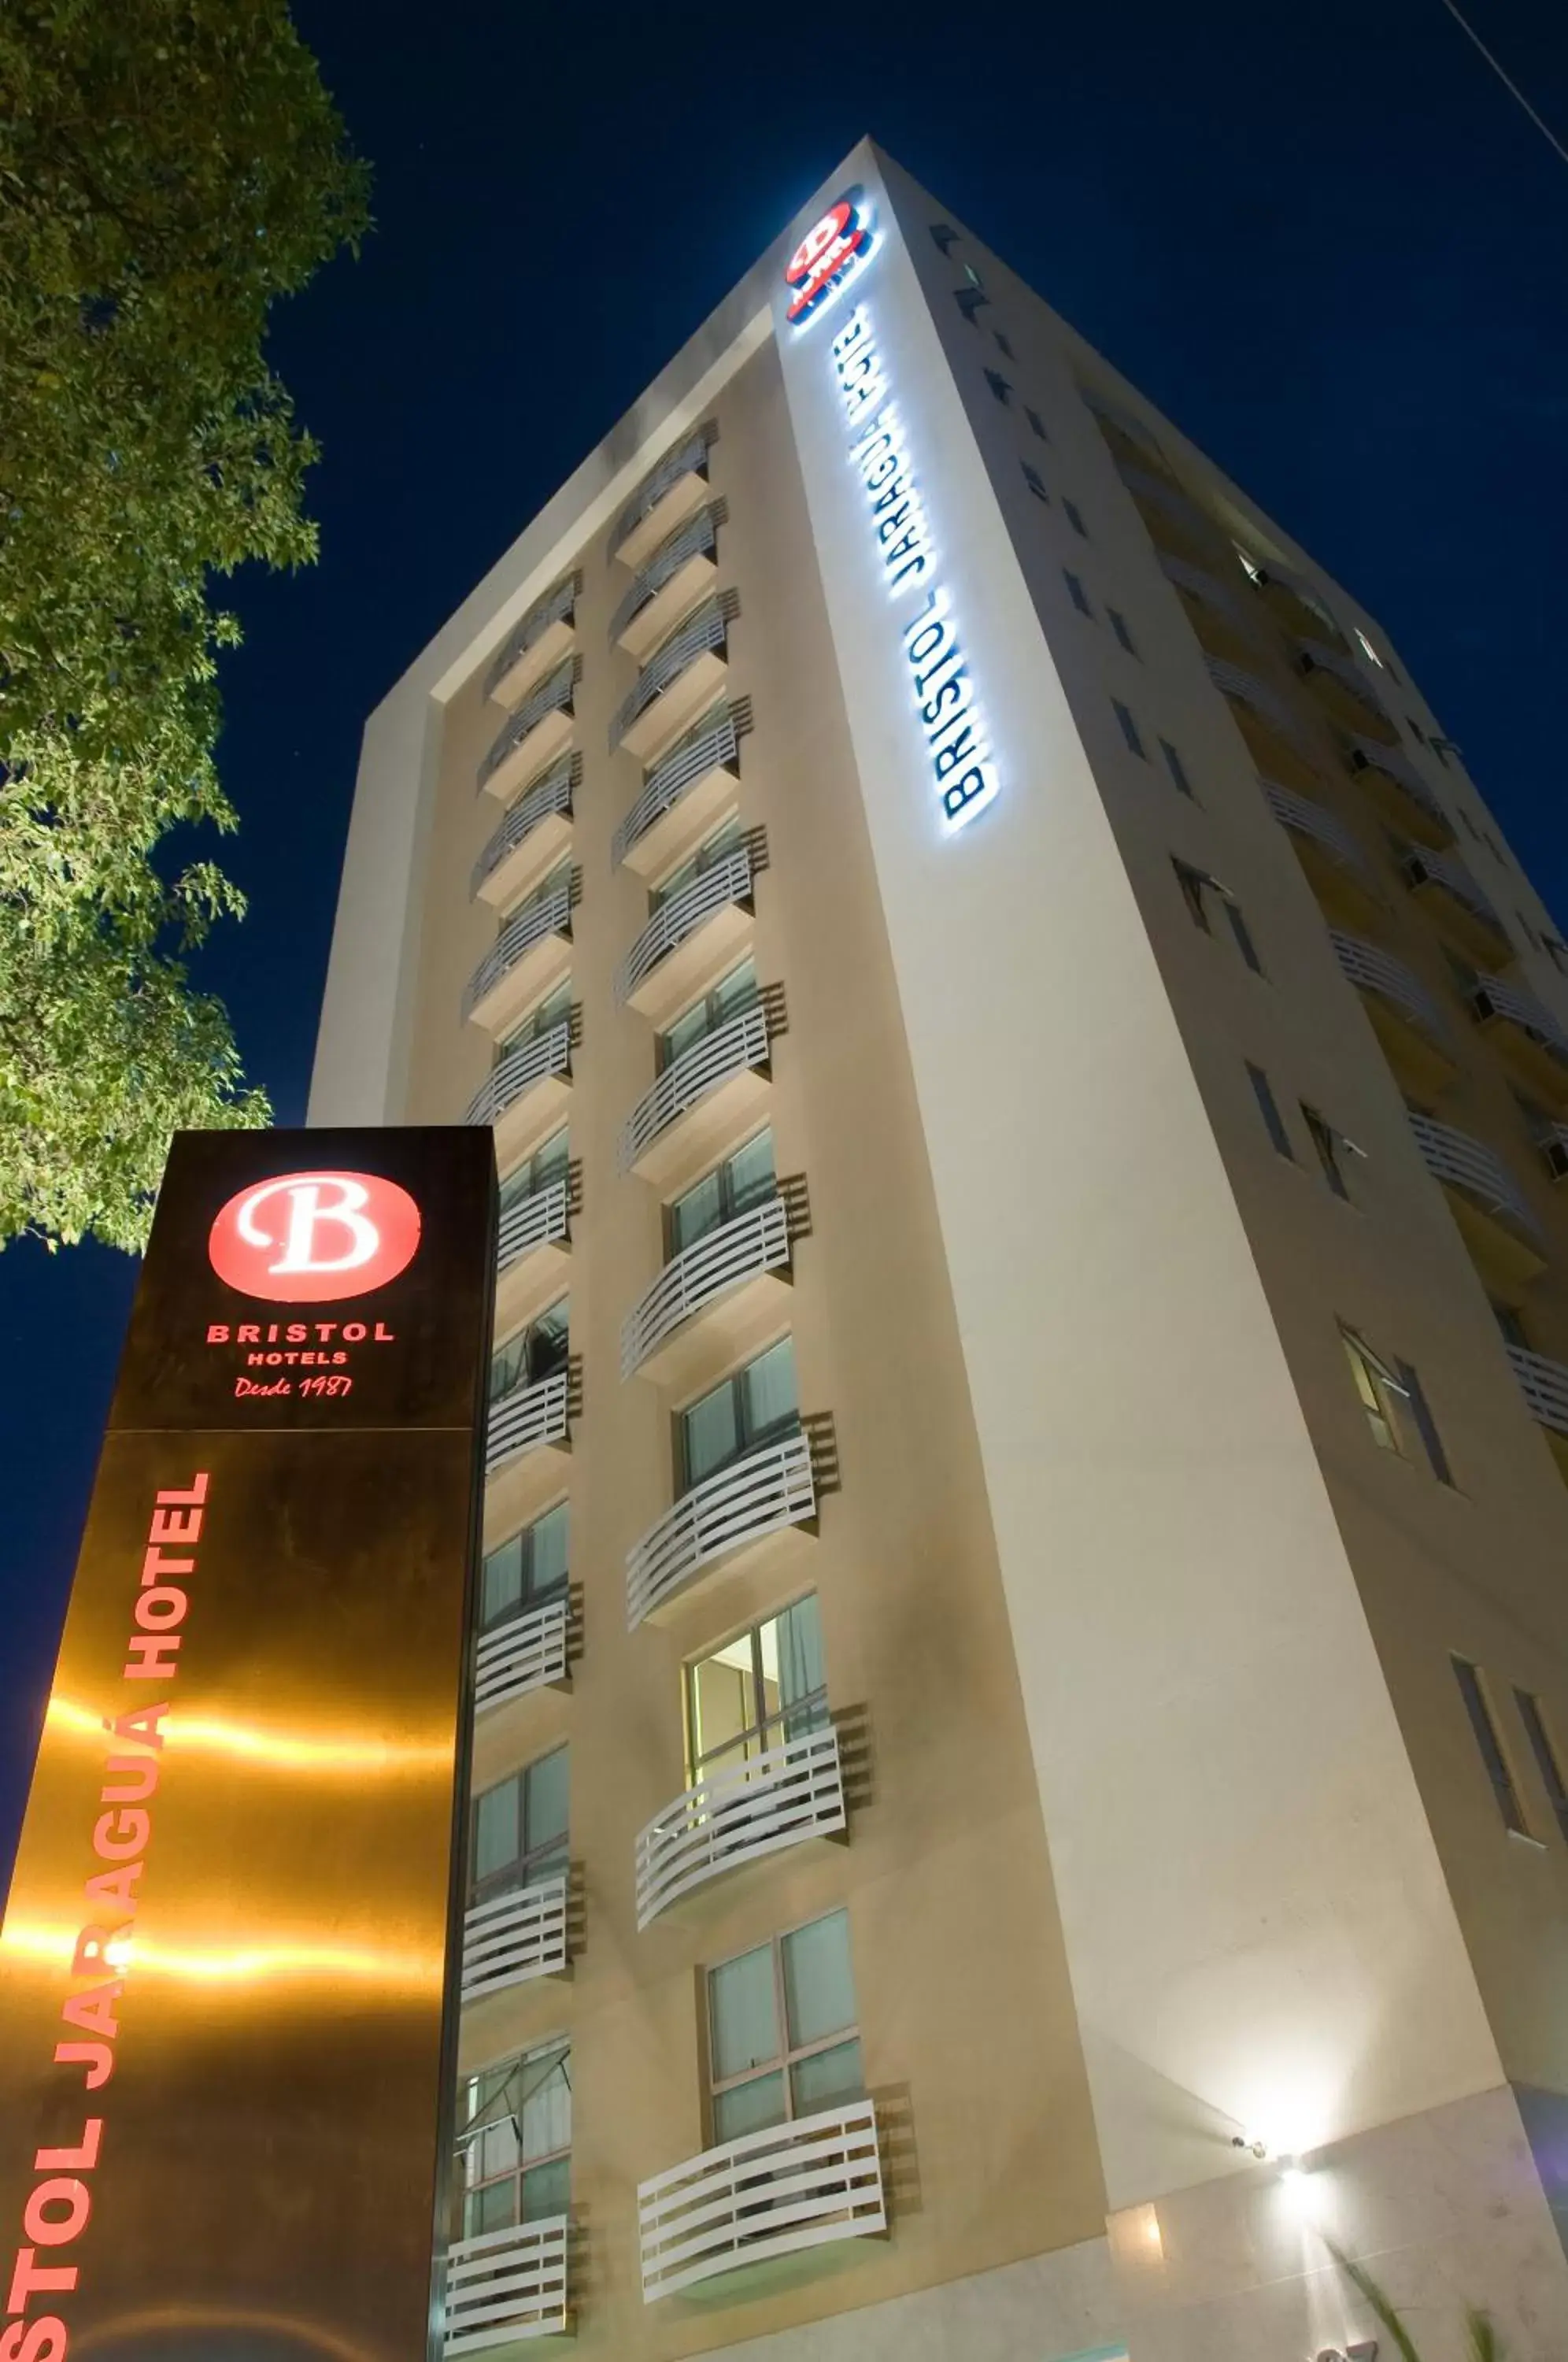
(690,459)
(529,1653)
(1371,755)
(1182,511)
(796,2186)
(524,1418)
(1210,590)
(529,1062)
(782,1797)
(1316,656)
(553,794)
(1495,998)
(551,915)
(1443,869)
(552,608)
(1126,422)
(763,1494)
(756,1241)
(728,1050)
(531,1222)
(1236,682)
(513,1937)
(1305,818)
(1455,1158)
(1370,969)
(506,2285)
(727,881)
(547,698)
(708,628)
(1544,1385)
(713,747)
(694,539)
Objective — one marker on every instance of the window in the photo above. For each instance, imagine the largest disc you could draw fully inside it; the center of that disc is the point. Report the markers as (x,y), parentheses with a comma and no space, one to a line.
(1128,727)
(1273,1122)
(999,386)
(1510,1320)
(1249,566)
(1327,1141)
(533,1354)
(969,300)
(1368,651)
(1077,594)
(743,1180)
(781,2030)
(1037,424)
(526,1570)
(1003,346)
(1545,1754)
(1034,480)
(1396,1404)
(709,853)
(514,2142)
(1178,769)
(520,1829)
(1119,626)
(1417,733)
(1377,1387)
(759,1690)
(756,1407)
(1197,886)
(553,1010)
(1425,1424)
(973,276)
(1491,1747)
(559,881)
(733,993)
(1075,518)
(537,1173)
(941,237)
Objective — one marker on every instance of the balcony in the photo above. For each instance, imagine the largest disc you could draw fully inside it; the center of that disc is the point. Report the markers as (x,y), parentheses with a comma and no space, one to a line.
(1275,740)
(673,579)
(1544,1385)
(685,795)
(784,1796)
(1404,1015)
(540,641)
(769,1491)
(1493,1214)
(527,1441)
(504,2286)
(535,835)
(682,676)
(1297,607)
(1445,887)
(693,939)
(531,1652)
(533,1256)
(1125,432)
(1341,686)
(677,485)
(781,2192)
(527,1093)
(1396,789)
(1216,611)
(539,731)
(514,1937)
(700,1103)
(530,956)
(1337,869)
(1527,1037)
(1175,522)
(713,1302)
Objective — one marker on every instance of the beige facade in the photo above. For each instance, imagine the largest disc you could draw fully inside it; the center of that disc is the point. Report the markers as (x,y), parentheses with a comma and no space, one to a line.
(1145,1782)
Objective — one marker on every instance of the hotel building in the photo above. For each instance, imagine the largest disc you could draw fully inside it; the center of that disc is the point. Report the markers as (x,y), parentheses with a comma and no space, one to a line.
(1020,1751)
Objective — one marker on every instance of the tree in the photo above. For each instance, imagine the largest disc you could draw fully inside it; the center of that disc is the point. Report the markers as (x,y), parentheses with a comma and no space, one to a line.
(167,168)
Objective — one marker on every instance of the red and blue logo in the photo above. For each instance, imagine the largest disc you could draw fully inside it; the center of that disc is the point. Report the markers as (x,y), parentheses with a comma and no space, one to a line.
(819,263)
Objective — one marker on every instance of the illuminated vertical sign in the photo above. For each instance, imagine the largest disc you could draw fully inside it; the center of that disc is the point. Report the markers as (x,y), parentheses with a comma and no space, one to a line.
(226,2031)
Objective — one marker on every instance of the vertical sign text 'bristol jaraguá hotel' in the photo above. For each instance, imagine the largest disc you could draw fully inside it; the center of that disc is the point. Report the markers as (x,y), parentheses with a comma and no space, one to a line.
(224,2038)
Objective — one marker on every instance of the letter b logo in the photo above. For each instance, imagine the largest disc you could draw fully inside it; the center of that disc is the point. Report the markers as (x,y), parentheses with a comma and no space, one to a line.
(311,1238)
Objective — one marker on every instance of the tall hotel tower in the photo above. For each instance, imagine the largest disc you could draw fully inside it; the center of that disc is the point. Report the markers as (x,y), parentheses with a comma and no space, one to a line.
(1021,1752)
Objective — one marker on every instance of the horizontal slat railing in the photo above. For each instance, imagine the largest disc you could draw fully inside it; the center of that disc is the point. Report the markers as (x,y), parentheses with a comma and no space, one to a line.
(727,1051)
(1544,1385)
(1209,588)
(1452,875)
(1235,680)
(1372,970)
(556,690)
(712,748)
(505,2285)
(524,1418)
(550,608)
(1494,997)
(550,916)
(729,880)
(1468,1165)
(1168,496)
(708,628)
(762,1493)
(1127,422)
(531,1222)
(690,540)
(550,1054)
(528,1653)
(1317,655)
(796,2186)
(782,1797)
(515,1936)
(1308,819)
(553,794)
(736,1251)
(690,458)
(1370,755)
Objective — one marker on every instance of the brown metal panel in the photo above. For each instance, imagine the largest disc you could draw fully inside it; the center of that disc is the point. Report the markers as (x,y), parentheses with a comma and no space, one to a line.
(226,2025)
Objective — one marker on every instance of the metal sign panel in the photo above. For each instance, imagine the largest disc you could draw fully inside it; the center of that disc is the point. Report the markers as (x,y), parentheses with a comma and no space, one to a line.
(226,2029)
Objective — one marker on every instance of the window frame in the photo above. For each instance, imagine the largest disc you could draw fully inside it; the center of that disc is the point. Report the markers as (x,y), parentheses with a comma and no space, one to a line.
(531,1166)
(1489,1746)
(1127,722)
(528,1600)
(786,2059)
(557,2050)
(523,1335)
(1075,517)
(747,1744)
(1078,595)
(730,1207)
(664,1056)
(748,1440)
(523,1872)
(1178,771)
(1547,1761)
(1122,630)
(1326,1142)
(1269,1109)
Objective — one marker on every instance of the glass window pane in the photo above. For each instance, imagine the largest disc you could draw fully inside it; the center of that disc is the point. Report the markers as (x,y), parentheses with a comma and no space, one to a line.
(742,2013)
(798,1647)
(494,2151)
(827,2078)
(496,1829)
(547,2190)
(501,1585)
(548,1163)
(819,1989)
(749,2107)
(548,1552)
(545,2084)
(507,1365)
(493,2208)
(769,1384)
(709,1434)
(544,1787)
(751,1172)
(722,1704)
(693,1216)
(737,991)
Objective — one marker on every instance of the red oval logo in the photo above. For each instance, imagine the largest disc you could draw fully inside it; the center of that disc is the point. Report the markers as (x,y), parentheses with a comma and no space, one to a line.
(310,1238)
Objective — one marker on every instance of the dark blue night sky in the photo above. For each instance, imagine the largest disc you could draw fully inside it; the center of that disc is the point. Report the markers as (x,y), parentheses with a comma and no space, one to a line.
(1324,241)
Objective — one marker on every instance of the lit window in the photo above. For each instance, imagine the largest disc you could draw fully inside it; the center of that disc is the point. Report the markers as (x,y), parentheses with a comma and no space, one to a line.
(1249,566)
(1197,889)
(782,2030)
(1510,1321)
(1326,1140)
(999,386)
(520,1829)
(1128,727)
(1078,596)
(1034,480)
(526,1570)
(1273,1122)
(1489,1746)
(514,2142)
(1368,651)
(1075,518)
(1546,1757)
(760,1690)
(1396,1404)
(1119,626)
(1037,424)
(742,1181)
(754,1407)
(1178,769)
(1376,1386)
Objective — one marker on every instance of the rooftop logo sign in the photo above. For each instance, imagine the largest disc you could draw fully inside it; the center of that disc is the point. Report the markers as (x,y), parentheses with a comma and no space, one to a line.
(829,251)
